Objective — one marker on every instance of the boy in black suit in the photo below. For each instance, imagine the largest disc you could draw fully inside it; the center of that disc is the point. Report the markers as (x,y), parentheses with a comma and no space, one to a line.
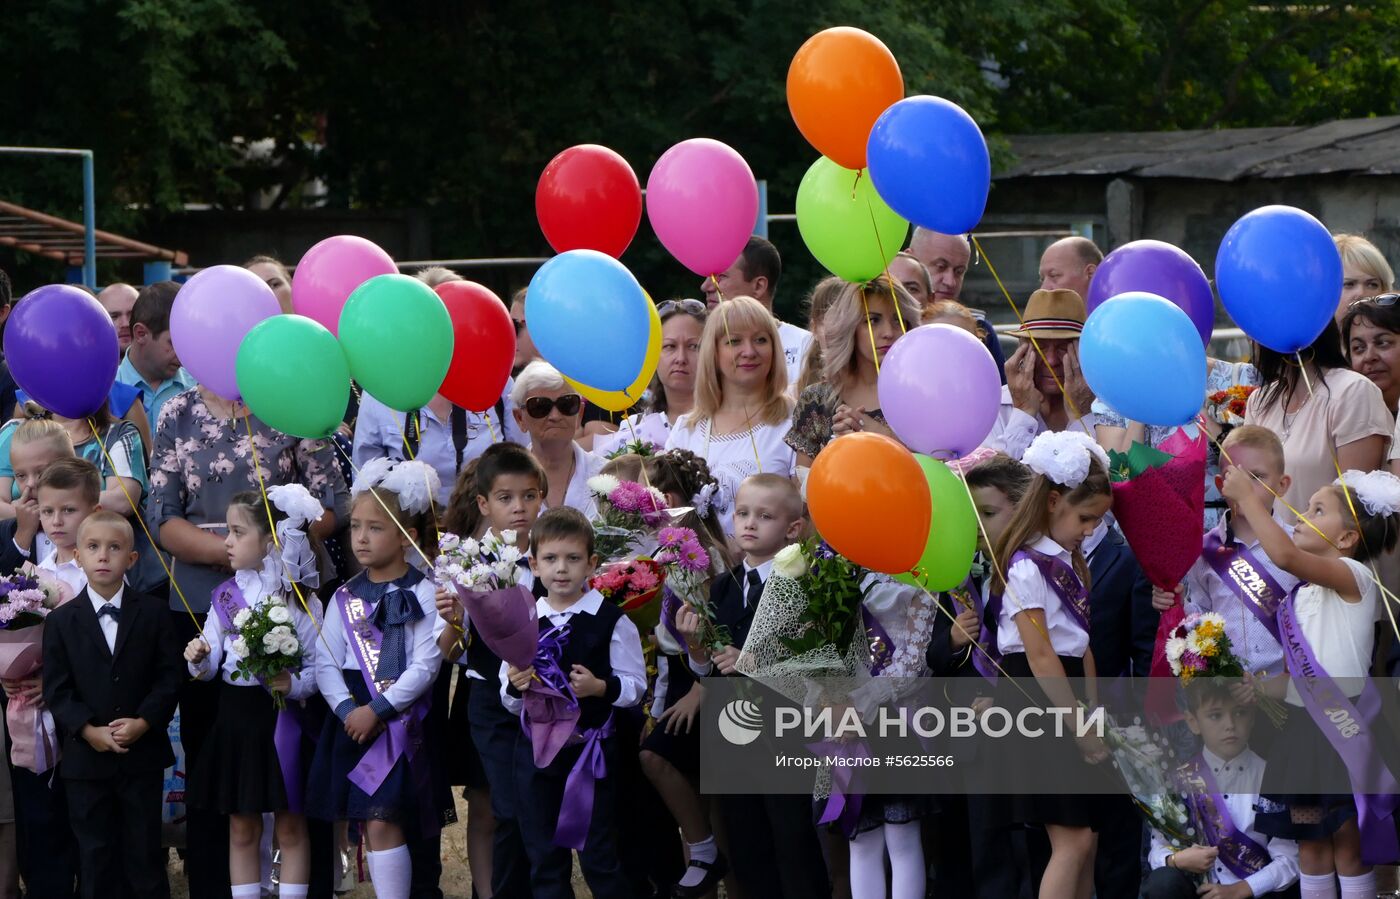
(775,847)
(112,673)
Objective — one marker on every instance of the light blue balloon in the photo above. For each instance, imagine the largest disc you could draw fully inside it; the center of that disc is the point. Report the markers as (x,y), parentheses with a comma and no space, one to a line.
(929,163)
(1280,276)
(1142,355)
(588,318)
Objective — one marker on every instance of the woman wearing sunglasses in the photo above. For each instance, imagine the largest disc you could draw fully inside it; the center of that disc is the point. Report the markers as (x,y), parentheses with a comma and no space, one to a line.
(742,411)
(549,411)
(673,389)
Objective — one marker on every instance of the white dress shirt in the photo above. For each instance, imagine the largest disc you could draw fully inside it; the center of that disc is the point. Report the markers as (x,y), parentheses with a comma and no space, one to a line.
(107,622)
(624,652)
(1026,589)
(795,342)
(70,572)
(1014,430)
(222,656)
(42,544)
(334,654)
(1239,780)
(578,496)
(1206,592)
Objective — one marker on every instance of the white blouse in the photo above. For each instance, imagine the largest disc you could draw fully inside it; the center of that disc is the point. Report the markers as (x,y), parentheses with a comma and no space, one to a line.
(1026,589)
(578,496)
(1340,633)
(734,457)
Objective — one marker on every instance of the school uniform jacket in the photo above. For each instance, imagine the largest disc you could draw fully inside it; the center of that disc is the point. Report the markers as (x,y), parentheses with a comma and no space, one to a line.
(1122,622)
(85,683)
(727,599)
(10,556)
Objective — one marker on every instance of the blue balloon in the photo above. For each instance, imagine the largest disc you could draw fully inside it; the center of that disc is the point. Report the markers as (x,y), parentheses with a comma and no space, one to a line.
(588,318)
(1280,276)
(929,163)
(1142,355)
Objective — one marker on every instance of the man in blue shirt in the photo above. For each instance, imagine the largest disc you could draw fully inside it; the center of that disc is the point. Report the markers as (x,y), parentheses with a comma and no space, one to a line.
(151,364)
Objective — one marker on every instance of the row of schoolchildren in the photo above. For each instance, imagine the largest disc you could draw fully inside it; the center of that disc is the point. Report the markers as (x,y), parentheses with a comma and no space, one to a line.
(111,673)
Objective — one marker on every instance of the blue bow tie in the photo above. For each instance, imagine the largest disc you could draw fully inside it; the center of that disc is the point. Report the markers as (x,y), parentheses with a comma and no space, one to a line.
(396,605)
(109,609)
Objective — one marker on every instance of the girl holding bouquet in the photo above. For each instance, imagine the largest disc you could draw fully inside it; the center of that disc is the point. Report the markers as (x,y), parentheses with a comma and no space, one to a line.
(376,661)
(1040,616)
(254,762)
(1335,733)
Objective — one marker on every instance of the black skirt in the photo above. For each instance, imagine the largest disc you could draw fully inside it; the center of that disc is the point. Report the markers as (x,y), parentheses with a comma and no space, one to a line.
(681,749)
(1302,754)
(461,762)
(1025,806)
(238,772)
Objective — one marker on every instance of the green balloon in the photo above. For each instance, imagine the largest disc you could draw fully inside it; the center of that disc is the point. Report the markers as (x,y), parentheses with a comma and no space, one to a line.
(398,340)
(293,376)
(952,533)
(850,232)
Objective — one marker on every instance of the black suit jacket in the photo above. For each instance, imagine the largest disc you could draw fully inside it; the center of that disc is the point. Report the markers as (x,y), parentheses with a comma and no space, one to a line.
(1122,622)
(85,683)
(727,599)
(942,660)
(10,556)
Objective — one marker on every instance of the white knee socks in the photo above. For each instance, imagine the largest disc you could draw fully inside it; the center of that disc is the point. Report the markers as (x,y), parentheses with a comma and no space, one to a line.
(245,890)
(292,890)
(1362,886)
(391,870)
(1317,886)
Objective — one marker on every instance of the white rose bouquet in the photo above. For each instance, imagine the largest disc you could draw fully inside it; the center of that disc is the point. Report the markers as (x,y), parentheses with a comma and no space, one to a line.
(268,643)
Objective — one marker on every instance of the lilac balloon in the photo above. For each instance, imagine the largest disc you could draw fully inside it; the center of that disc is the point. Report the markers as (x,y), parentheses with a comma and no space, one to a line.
(1152,266)
(212,314)
(62,349)
(940,391)
(702,201)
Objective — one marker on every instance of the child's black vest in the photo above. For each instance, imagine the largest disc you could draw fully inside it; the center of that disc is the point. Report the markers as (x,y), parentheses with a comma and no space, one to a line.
(589,644)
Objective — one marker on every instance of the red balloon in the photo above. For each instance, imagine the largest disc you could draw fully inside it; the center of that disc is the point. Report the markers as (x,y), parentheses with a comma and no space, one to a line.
(589,198)
(484,345)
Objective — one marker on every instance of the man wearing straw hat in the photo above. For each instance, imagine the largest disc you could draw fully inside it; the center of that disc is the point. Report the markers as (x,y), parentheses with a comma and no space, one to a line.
(1045,388)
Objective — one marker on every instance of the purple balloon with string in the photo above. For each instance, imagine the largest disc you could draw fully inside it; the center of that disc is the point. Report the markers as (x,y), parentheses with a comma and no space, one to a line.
(940,391)
(61,347)
(1153,266)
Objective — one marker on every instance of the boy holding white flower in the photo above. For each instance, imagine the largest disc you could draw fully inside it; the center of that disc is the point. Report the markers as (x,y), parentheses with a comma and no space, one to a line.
(111,677)
(264,643)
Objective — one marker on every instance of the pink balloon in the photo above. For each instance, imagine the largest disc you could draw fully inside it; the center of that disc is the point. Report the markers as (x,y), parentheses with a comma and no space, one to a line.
(702,201)
(330,272)
(212,313)
(940,391)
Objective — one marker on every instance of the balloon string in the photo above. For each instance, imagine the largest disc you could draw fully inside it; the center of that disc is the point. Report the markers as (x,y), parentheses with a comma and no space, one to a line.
(1069,400)
(870,329)
(748,416)
(889,278)
(1351,506)
(272,527)
(141,520)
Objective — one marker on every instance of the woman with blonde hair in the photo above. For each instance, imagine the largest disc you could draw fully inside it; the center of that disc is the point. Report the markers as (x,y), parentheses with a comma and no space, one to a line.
(818,302)
(1365,272)
(859,328)
(742,411)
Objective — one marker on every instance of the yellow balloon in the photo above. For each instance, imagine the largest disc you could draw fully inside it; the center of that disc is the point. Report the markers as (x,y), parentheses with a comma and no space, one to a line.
(618,400)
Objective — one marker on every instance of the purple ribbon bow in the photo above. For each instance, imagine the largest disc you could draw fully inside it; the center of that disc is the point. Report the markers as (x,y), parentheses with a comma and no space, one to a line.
(576,812)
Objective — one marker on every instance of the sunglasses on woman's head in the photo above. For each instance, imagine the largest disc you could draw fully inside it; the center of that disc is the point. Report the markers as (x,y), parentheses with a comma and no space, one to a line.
(1384,299)
(539,406)
(690,307)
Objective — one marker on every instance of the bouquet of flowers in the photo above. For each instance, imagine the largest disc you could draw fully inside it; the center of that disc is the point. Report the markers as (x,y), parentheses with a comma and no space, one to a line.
(267,640)
(635,447)
(26,598)
(1226,407)
(687,564)
(485,574)
(1198,647)
(1159,502)
(633,586)
(627,511)
(1142,763)
(806,623)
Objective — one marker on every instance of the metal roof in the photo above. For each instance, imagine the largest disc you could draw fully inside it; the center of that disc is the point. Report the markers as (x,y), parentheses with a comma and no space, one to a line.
(1349,146)
(56,238)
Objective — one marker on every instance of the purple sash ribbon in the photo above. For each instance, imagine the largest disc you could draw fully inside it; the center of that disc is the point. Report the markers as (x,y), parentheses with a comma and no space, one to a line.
(1247,579)
(1348,727)
(670,605)
(403,734)
(1240,852)
(287,733)
(985,656)
(1062,579)
(576,811)
(878,639)
(843,805)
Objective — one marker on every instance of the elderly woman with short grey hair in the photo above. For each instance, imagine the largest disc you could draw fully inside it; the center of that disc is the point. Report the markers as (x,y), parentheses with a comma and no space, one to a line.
(549,411)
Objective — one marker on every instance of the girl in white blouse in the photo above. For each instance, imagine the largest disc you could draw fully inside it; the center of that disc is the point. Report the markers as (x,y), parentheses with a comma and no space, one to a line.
(742,411)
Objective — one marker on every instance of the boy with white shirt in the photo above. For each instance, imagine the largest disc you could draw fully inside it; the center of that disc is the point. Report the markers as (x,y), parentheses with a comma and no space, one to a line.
(1225,781)
(601,654)
(68,493)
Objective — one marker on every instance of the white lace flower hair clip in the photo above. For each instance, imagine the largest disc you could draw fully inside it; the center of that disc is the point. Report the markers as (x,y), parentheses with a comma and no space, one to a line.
(1378,491)
(297,503)
(296,562)
(1064,457)
(415,484)
(709,497)
(371,475)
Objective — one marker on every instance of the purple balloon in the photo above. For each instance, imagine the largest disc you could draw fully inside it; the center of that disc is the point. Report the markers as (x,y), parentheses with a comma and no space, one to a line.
(940,391)
(61,347)
(212,314)
(1152,266)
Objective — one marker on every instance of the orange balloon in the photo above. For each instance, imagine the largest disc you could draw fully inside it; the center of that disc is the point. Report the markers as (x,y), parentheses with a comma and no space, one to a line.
(869,500)
(839,83)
